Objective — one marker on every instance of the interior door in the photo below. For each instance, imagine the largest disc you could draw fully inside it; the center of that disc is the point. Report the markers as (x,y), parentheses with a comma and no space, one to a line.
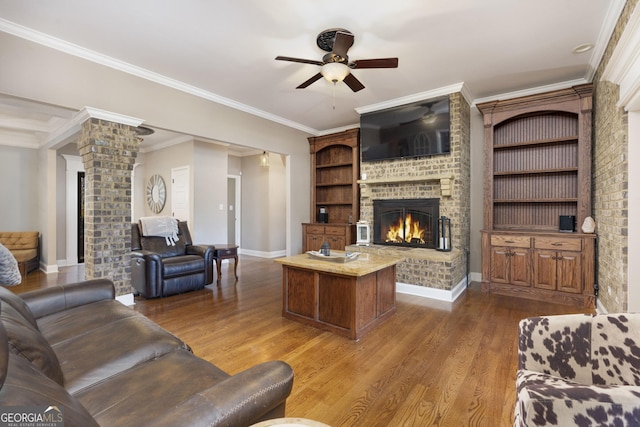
(180,207)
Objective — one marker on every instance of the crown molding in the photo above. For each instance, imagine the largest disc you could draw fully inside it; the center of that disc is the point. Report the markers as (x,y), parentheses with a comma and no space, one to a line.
(336,130)
(95,113)
(63,134)
(531,91)
(606,30)
(445,90)
(98,58)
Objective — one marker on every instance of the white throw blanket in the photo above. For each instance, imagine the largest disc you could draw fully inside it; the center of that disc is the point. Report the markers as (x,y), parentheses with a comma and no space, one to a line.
(161,226)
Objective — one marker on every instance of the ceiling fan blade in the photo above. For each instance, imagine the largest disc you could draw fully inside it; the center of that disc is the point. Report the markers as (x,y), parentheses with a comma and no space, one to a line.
(311,80)
(353,83)
(303,61)
(375,63)
(342,43)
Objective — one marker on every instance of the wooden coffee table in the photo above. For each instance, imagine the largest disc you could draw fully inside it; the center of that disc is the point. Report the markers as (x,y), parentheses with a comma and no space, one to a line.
(225,252)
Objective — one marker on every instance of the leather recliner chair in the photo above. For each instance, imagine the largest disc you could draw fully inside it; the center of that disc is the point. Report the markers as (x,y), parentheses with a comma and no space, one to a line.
(159,270)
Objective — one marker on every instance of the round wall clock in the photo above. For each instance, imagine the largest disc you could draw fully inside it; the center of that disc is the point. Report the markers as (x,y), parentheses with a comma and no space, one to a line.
(156,193)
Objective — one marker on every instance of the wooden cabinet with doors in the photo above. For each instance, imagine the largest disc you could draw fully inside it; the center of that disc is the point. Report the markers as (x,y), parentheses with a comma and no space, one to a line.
(510,260)
(538,168)
(558,264)
(338,236)
(335,168)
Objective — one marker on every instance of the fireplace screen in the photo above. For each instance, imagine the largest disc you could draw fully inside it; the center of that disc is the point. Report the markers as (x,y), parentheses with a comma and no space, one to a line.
(406,222)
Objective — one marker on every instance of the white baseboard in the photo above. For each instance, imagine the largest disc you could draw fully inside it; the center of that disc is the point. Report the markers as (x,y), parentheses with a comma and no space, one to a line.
(600,308)
(49,268)
(261,254)
(438,294)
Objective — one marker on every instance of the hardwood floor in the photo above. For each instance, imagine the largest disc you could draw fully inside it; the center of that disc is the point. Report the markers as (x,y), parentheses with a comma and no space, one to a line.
(431,364)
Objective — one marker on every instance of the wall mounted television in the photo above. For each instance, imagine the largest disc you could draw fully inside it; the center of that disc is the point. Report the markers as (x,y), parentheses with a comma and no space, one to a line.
(412,130)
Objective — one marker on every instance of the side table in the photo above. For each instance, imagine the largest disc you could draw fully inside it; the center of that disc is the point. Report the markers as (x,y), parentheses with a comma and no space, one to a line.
(225,252)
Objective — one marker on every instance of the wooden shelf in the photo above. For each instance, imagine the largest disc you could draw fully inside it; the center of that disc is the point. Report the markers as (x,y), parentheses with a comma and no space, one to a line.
(535,171)
(563,140)
(446,183)
(537,163)
(335,184)
(560,200)
(406,179)
(321,203)
(334,165)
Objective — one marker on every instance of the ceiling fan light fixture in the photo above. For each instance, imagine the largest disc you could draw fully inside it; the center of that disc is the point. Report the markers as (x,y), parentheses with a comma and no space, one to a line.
(334,71)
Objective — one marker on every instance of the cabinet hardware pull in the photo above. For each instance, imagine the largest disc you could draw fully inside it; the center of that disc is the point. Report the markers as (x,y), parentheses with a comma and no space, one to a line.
(556,244)
(509,241)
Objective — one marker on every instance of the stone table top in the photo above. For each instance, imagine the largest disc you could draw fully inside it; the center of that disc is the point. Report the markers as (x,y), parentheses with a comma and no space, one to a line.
(363,265)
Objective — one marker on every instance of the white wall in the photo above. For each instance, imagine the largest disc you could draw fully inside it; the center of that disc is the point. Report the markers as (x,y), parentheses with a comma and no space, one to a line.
(18,189)
(210,193)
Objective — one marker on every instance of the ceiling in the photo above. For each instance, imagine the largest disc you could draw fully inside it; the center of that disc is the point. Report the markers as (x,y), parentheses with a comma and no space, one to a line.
(225,50)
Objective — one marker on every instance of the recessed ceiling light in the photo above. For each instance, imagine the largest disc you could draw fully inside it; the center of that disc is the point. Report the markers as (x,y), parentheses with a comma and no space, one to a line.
(583,48)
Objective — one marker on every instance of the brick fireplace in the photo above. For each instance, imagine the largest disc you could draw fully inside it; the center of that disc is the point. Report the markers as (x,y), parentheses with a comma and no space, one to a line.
(426,271)
(406,222)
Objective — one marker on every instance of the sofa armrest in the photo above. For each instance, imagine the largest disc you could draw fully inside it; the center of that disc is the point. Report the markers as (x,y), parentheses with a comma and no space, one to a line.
(51,300)
(207,252)
(546,400)
(147,255)
(239,400)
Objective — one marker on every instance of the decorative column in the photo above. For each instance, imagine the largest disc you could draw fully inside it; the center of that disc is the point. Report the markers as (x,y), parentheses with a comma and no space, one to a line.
(108,153)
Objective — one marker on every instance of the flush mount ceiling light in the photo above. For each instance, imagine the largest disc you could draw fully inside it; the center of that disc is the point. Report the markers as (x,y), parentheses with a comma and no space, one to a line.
(583,48)
(335,72)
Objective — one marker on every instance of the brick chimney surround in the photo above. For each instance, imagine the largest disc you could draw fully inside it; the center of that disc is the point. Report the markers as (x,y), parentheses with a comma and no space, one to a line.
(427,272)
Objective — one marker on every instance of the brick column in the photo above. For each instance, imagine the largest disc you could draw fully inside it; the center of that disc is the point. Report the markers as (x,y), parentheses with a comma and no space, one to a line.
(108,153)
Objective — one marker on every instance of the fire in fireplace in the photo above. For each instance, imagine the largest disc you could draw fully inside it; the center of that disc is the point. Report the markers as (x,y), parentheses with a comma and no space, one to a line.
(406,222)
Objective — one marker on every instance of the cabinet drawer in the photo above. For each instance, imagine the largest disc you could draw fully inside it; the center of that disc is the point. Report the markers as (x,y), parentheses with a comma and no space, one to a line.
(315,229)
(558,244)
(334,231)
(512,241)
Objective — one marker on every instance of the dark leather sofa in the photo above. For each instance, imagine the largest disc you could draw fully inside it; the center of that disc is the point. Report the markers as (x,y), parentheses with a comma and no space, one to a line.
(159,270)
(75,348)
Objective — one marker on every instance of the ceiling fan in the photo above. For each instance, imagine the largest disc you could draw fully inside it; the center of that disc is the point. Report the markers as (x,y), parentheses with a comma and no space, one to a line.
(335,64)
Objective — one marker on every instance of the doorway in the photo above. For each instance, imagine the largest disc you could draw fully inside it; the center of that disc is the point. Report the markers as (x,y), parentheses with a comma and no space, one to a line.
(80,219)
(233,212)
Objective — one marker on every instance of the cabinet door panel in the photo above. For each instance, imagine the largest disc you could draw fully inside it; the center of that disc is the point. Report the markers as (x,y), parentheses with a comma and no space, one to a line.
(569,272)
(544,269)
(500,265)
(519,268)
(313,242)
(336,242)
